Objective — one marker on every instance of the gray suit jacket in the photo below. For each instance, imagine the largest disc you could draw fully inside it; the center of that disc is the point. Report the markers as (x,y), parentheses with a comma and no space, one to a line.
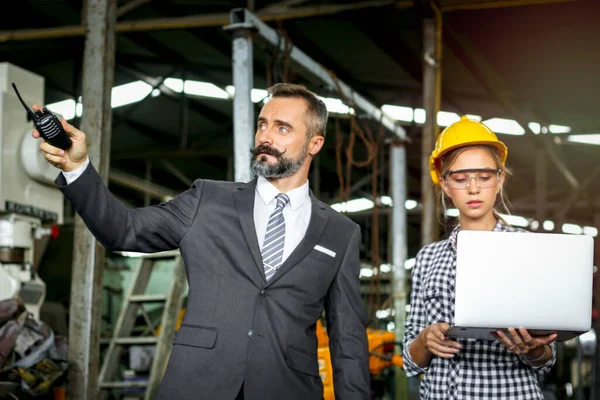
(238,327)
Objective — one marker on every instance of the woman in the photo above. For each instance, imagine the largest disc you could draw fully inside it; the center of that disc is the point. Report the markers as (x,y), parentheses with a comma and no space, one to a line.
(468,163)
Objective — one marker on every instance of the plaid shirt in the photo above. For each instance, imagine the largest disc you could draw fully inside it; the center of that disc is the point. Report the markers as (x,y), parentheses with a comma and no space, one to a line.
(483,369)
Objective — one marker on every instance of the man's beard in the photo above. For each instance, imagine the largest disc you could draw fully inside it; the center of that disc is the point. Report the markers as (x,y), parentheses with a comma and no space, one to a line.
(282,169)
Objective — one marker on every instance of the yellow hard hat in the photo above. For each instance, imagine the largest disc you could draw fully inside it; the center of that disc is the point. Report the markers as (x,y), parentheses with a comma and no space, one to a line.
(462,133)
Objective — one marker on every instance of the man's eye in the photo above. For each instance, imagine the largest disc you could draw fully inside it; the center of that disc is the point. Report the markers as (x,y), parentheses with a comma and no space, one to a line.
(261,126)
(283,129)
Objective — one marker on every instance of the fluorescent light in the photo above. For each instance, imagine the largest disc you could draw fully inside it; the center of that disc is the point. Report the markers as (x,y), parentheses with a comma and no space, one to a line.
(572,228)
(256,95)
(391,326)
(559,129)
(366,272)
(399,113)
(174,84)
(590,230)
(156,93)
(384,268)
(506,126)
(336,106)
(548,225)
(66,108)
(129,93)
(79,109)
(445,118)
(474,117)
(355,205)
(204,89)
(534,225)
(386,201)
(419,116)
(410,204)
(410,263)
(381,314)
(535,127)
(593,138)
(363,204)
(515,220)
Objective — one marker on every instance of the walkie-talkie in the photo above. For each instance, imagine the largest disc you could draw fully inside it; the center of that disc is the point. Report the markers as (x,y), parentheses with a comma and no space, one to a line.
(48,125)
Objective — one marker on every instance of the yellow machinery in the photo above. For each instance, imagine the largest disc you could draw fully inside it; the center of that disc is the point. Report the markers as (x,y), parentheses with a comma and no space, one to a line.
(381,350)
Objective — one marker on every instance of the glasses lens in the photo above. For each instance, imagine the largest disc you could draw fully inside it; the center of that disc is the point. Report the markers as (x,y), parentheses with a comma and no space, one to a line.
(462,180)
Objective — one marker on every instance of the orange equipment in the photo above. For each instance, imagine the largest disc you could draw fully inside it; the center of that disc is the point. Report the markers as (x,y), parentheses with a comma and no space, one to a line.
(381,350)
(325,366)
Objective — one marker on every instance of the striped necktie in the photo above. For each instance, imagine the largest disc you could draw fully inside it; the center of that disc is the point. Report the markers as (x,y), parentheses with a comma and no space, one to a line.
(272,252)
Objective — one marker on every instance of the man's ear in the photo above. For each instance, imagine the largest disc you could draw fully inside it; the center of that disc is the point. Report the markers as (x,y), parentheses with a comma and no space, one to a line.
(315,144)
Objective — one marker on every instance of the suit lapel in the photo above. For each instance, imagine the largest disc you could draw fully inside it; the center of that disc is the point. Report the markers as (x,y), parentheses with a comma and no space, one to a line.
(244,203)
(318,221)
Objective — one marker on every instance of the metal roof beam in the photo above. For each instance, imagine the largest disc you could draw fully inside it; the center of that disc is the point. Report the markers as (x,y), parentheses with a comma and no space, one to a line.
(198,21)
(243,18)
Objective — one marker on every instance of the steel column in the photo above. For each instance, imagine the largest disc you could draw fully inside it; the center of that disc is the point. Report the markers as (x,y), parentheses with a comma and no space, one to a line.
(88,255)
(432,71)
(243,108)
(399,249)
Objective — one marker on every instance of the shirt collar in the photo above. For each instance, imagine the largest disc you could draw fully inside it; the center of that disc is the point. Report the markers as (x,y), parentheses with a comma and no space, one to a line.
(267,192)
(452,239)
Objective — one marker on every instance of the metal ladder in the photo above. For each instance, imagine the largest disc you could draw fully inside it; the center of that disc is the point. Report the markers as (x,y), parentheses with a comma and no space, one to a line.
(122,333)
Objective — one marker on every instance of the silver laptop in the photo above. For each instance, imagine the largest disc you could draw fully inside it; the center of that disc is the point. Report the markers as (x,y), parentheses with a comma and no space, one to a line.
(540,281)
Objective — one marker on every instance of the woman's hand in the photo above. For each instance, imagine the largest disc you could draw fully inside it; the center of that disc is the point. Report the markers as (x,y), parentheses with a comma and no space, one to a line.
(434,340)
(522,343)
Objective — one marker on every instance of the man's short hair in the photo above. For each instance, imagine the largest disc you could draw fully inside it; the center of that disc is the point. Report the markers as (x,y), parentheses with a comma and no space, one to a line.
(316,111)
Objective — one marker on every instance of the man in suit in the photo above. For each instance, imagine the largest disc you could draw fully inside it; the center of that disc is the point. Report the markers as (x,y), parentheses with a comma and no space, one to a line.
(263,260)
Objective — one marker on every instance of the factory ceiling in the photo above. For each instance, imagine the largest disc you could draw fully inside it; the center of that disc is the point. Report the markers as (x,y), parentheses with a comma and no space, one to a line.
(531,61)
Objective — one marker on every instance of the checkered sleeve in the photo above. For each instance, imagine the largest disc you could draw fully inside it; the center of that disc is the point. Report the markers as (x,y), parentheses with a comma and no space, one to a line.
(416,320)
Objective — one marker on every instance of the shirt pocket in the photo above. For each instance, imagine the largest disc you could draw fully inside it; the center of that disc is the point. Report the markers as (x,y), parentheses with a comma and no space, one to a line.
(433,301)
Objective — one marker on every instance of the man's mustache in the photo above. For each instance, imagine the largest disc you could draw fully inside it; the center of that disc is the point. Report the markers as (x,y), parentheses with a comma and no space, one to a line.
(266,149)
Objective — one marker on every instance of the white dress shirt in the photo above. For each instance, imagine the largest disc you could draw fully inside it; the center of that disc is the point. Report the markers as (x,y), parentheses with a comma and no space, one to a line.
(72,175)
(296,213)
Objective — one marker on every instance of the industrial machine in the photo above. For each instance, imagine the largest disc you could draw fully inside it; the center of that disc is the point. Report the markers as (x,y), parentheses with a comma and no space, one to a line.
(31,206)
(382,345)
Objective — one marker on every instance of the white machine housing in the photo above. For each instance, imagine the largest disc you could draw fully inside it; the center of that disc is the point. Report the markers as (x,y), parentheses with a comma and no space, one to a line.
(30,203)
(26,178)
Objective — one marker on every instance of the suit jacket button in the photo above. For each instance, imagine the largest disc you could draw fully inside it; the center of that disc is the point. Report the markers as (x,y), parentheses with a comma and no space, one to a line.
(250,333)
(263,293)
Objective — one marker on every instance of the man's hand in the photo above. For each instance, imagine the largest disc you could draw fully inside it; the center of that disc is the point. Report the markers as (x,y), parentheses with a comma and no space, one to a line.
(68,160)
(434,340)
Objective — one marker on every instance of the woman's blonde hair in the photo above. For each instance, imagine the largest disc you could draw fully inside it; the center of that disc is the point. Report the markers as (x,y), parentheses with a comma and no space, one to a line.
(448,159)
